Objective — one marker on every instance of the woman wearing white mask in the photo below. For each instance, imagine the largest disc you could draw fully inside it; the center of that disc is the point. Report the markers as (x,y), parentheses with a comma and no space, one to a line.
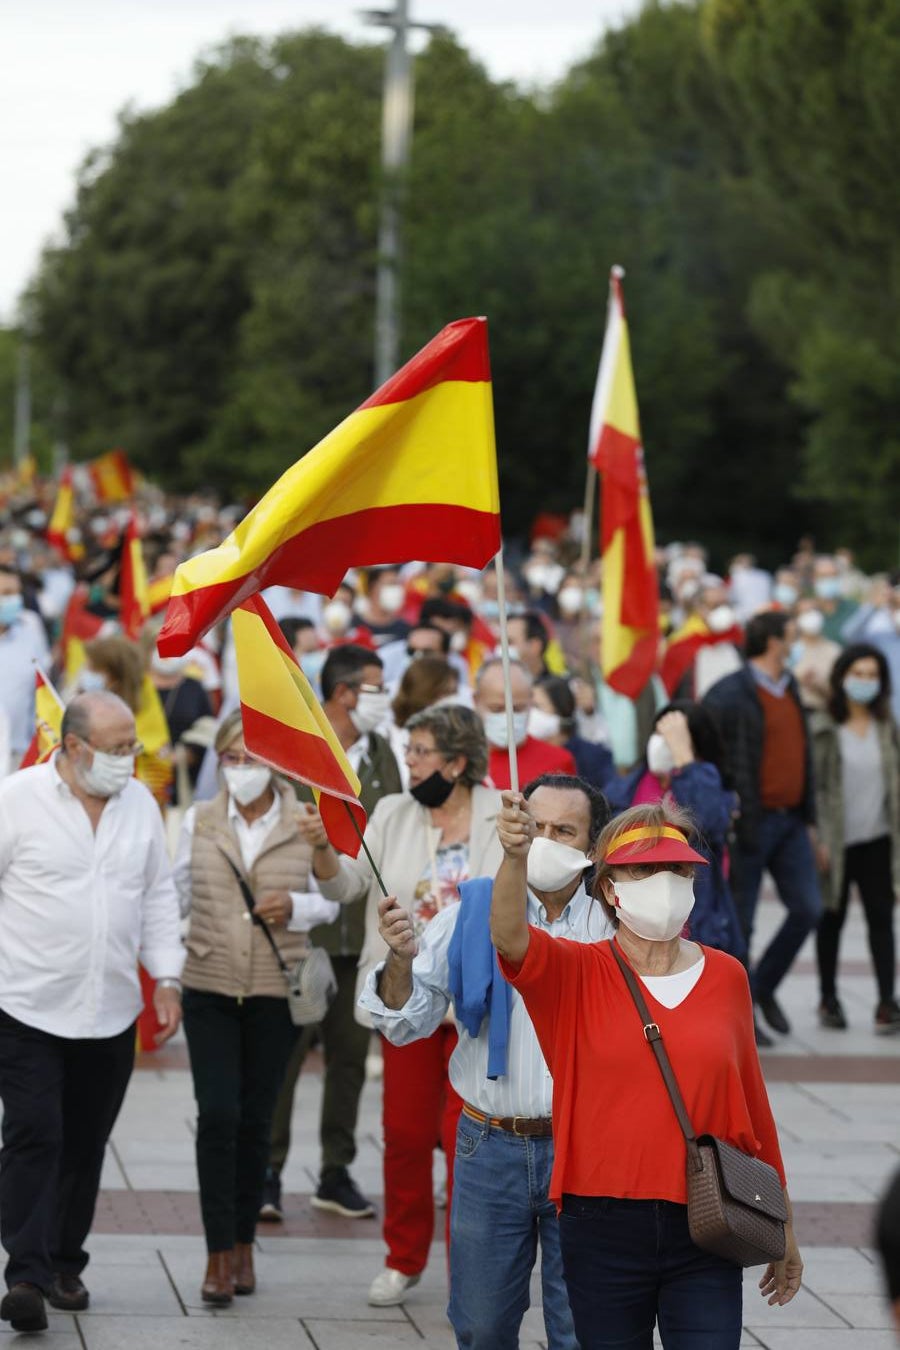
(812,656)
(683,765)
(236,1018)
(857,774)
(619,1169)
(424,841)
(552,718)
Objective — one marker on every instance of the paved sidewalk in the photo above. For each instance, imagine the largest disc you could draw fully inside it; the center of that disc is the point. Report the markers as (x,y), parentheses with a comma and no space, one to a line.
(836,1097)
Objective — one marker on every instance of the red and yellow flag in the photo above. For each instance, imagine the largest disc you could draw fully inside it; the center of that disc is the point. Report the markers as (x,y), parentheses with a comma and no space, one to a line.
(48,716)
(285,727)
(62,521)
(112,477)
(134,596)
(630,625)
(411,474)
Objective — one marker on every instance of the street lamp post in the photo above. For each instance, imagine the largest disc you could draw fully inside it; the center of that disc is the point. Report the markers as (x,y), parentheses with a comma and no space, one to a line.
(396,137)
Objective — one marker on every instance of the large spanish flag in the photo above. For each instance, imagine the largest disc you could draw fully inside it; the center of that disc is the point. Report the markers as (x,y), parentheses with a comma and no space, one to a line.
(411,474)
(630,589)
(285,727)
(48,716)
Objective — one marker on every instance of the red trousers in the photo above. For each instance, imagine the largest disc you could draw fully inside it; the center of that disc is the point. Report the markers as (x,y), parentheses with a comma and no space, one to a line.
(419,1108)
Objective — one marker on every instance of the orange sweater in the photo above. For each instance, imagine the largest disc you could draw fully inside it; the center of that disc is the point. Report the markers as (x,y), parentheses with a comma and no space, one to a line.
(782,769)
(614,1128)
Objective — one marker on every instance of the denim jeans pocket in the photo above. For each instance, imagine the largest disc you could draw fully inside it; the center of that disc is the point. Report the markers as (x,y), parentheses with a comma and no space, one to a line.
(469,1135)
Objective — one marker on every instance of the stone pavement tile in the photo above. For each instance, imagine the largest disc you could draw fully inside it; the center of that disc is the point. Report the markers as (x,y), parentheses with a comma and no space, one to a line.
(874,1161)
(850,1338)
(353,1336)
(52,1339)
(861,1310)
(805,1310)
(841,1270)
(829,1185)
(189,1333)
(133,1291)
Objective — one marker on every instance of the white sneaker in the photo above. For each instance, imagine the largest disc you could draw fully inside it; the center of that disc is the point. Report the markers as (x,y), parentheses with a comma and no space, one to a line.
(389,1288)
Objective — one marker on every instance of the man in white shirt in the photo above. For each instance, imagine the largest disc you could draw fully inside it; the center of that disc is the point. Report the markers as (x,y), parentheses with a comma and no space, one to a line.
(504,1146)
(22,643)
(85,887)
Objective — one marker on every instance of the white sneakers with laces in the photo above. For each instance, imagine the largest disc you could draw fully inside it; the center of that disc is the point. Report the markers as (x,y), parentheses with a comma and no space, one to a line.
(389,1288)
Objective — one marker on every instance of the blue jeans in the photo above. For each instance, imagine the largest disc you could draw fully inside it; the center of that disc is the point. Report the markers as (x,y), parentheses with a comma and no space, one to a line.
(631,1263)
(783,849)
(500,1209)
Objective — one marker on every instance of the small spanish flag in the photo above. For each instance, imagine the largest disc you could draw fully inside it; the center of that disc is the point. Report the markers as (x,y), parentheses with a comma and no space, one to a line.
(60,530)
(48,715)
(285,727)
(630,631)
(134,596)
(412,474)
(112,477)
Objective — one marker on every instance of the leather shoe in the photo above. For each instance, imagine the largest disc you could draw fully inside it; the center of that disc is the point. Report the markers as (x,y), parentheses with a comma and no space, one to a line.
(763,1040)
(218,1287)
(68,1294)
(244,1276)
(23,1307)
(771,1011)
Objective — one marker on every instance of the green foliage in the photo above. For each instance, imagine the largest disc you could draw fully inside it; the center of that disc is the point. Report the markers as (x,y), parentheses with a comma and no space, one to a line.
(212,306)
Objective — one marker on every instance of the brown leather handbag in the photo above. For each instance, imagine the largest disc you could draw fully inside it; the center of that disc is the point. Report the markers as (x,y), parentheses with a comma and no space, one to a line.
(736,1206)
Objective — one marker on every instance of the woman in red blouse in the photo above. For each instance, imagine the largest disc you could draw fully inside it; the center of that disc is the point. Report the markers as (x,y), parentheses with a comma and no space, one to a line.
(619,1170)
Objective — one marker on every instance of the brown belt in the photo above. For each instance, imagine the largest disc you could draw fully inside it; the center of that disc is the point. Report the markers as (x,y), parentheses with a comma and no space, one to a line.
(524,1126)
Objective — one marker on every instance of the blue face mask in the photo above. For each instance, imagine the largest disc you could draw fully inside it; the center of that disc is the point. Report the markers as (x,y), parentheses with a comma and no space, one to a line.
(861,690)
(90,680)
(785,594)
(828,588)
(311,664)
(10,609)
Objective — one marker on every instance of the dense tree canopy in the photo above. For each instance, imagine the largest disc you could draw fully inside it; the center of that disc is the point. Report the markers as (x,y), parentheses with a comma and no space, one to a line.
(212,306)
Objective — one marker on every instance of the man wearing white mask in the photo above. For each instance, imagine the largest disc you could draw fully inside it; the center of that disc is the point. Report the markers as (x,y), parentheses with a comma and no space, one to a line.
(384,600)
(22,642)
(812,656)
(504,1144)
(85,887)
(534,757)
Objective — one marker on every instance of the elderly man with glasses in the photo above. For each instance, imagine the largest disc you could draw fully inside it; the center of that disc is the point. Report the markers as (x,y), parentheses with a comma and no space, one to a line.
(85,887)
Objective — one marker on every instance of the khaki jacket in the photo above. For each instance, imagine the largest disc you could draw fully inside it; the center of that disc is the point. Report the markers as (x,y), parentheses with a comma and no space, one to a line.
(228,953)
(400,838)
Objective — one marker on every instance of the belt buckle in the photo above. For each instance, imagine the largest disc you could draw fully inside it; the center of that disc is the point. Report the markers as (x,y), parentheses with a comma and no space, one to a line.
(520,1134)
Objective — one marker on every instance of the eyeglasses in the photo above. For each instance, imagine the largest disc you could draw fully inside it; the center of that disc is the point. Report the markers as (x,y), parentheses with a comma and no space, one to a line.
(365,688)
(423,751)
(117,751)
(232,758)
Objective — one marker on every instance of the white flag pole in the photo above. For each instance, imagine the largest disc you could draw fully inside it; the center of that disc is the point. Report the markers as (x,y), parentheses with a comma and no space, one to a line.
(507,685)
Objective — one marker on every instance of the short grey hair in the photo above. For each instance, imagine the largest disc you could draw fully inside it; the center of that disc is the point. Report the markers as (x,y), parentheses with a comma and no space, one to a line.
(76,720)
(228,730)
(494,661)
(457,730)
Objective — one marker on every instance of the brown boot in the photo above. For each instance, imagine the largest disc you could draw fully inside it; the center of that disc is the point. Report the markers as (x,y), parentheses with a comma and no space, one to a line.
(218,1287)
(244,1277)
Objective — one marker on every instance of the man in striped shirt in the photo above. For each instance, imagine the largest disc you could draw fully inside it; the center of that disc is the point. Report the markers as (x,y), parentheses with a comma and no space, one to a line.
(504,1146)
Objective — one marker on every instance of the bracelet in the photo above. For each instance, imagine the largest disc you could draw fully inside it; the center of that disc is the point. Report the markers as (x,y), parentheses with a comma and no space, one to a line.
(169,982)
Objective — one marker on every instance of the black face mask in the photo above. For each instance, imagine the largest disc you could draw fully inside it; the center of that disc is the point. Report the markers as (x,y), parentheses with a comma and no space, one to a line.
(434,790)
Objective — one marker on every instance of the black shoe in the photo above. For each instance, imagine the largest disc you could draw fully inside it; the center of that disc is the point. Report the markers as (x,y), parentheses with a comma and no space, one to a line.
(339,1193)
(68,1294)
(887,1018)
(771,1011)
(763,1039)
(831,1014)
(270,1210)
(23,1308)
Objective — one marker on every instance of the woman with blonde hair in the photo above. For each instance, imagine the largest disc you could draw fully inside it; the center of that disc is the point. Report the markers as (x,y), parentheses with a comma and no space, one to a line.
(116,663)
(619,1173)
(428,679)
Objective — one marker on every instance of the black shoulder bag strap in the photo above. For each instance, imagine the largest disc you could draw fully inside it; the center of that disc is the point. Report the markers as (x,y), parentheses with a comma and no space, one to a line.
(260,923)
(653,1036)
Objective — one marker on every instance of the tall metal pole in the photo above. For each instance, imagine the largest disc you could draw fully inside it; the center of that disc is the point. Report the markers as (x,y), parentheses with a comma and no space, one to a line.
(396,139)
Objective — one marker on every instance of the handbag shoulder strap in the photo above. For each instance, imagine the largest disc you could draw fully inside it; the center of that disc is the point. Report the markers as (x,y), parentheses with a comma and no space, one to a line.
(260,923)
(653,1036)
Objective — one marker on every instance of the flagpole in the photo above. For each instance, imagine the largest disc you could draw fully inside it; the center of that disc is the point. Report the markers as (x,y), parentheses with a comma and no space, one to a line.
(507,684)
(590,492)
(365,848)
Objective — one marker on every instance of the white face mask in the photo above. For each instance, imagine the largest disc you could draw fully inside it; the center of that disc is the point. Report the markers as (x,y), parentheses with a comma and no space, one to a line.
(459,641)
(655,908)
(720,619)
(570,600)
(370,711)
(247,782)
(89,680)
(659,756)
(108,774)
(391,597)
(336,616)
(495,728)
(811,622)
(552,865)
(543,725)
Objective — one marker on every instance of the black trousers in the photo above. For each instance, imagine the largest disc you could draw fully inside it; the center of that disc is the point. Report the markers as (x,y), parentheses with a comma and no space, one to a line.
(869,866)
(238,1050)
(60,1102)
(346,1045)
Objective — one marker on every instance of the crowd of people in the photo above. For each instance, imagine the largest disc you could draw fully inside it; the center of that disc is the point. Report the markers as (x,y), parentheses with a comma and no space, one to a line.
(765,743)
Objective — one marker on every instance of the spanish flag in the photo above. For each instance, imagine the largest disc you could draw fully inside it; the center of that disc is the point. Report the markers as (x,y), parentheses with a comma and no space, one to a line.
(62,521)
(48,715)
(411,474)
(112,477)
(630,626)
(285,727)
(134,594)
